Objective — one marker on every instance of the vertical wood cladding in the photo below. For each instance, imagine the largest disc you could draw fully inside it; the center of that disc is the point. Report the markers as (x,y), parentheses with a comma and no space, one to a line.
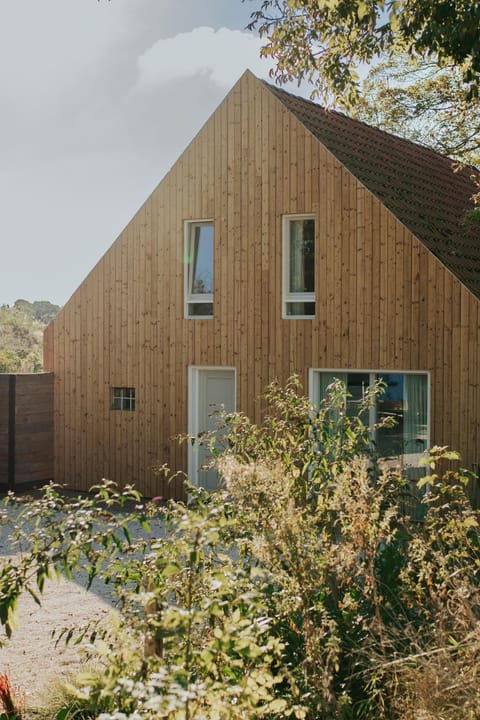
(382,300)
(33,429)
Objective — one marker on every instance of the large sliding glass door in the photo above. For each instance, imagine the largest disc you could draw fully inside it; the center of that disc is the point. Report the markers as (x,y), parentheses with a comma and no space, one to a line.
(404,398)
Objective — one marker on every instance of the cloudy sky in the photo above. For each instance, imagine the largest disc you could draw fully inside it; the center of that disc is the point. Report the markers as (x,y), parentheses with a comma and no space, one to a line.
(97,100)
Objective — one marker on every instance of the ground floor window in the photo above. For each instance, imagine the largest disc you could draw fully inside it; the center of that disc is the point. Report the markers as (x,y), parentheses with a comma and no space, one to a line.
(405,398)
(123,398)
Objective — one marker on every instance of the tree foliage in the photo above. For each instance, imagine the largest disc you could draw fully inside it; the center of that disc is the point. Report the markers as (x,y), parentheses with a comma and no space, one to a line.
(424,103)
(21,335)
(325,41)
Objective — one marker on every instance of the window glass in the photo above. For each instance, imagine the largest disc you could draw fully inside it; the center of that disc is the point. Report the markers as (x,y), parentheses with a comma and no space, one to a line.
(196,309)
(302,255)
(405,399)
(123,398)
(390,439)
(357,386)
(199,270)
(299,267)
(201,260)
(300,308)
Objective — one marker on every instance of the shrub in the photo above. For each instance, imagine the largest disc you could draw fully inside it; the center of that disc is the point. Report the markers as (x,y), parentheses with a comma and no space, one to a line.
(299,589)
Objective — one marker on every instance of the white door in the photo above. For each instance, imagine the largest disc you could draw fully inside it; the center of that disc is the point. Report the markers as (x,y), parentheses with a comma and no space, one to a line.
(210,389)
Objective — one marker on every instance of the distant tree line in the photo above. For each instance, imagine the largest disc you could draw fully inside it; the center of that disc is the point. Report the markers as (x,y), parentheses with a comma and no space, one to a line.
(21,335)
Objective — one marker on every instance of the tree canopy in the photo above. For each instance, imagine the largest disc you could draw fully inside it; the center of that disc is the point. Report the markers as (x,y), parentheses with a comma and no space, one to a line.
(21,335)
(324,41)
(424,103)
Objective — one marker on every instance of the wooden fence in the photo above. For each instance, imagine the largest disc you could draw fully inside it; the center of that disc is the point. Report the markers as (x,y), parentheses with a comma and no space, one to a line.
(26,430)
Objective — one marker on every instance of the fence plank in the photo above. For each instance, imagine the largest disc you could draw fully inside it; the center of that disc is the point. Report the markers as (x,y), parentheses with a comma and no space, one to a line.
(26,430)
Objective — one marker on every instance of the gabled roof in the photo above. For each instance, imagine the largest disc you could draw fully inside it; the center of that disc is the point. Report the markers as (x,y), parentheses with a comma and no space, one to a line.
(422,188)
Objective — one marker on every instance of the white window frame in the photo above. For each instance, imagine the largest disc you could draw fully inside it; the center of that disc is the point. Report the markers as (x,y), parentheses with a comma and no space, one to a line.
(409,458)
(292,297)
(190,297)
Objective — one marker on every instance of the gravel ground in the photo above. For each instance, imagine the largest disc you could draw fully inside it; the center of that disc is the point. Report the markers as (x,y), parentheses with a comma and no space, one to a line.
(31,657)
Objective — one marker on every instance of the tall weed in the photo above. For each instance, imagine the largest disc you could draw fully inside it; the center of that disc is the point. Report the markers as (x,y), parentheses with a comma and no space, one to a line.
(299,589)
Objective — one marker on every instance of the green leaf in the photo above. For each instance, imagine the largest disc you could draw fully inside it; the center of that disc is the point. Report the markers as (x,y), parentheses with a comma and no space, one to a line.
(33,595)
(363,10)
(63,713)
(127,534)
(170,569)
(426,461)
(426,480)
(277,706)
(451,455)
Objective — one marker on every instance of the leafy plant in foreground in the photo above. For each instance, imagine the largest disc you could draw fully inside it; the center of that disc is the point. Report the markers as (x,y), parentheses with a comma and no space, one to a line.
(9,699)
(298,589)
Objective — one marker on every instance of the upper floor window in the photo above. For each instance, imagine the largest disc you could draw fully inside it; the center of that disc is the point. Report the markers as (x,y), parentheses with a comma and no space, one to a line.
(298,266)
(199,269)
(123,398)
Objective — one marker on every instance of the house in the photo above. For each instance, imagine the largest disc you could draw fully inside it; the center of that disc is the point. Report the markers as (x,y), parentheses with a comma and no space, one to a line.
(285,239)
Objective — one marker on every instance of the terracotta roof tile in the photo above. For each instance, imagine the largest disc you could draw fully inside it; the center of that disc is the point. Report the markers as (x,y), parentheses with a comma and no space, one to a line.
(421,187)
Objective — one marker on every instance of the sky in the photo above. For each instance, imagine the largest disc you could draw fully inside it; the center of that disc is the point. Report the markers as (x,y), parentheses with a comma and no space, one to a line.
(97,101)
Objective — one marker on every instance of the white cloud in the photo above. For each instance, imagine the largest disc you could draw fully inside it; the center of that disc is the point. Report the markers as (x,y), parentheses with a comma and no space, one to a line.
(222,55)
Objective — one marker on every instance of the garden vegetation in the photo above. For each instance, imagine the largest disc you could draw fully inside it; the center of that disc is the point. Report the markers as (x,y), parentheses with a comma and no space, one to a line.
(302,588)
(21,335)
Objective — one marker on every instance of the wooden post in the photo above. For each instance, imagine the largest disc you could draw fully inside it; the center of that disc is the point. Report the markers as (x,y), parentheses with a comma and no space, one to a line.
(12,385)
(153,646)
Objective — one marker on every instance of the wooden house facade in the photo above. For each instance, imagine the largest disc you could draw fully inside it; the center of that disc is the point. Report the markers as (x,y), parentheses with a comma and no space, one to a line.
(285,239)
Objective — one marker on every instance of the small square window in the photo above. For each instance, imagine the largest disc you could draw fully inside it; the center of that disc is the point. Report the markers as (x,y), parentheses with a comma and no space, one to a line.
(199,269)
(298,266)
(123,398)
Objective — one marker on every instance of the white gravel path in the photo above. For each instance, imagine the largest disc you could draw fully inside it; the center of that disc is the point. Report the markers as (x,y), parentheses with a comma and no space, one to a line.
(31,657)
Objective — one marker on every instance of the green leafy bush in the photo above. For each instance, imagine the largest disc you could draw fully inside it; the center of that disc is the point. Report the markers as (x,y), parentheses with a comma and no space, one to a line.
(299,589)
(21,335)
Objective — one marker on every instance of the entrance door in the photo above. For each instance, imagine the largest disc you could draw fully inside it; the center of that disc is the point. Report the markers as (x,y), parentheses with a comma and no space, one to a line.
(210,389)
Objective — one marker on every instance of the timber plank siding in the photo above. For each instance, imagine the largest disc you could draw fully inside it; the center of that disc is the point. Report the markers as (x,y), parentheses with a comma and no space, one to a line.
(383,300)
(26,430)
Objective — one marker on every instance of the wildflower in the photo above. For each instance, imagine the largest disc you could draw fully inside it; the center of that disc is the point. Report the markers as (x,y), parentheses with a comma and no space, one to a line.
(7,699)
